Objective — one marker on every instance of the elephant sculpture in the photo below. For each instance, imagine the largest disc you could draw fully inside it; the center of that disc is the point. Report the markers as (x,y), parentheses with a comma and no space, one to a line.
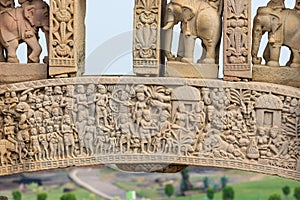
(282,26)
(199,19)
(22,24)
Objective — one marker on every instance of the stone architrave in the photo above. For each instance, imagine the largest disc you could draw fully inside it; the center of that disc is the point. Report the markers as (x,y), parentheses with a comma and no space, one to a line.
(149,124)
(237,39)
(67,37)
(146,38)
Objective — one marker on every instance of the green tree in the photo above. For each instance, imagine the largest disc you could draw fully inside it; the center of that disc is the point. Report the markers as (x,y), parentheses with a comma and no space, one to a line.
(206,182)
(297,193)
(286,191)
(228,193)
(41,196)
(17,195)
(185,183)
(275,197)
(224,181)
(210,193)
(68,196)
(169,190)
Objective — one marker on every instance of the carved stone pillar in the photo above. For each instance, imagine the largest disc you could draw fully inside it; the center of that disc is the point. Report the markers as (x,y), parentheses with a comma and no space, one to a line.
(66,42)
(146,37)
(237,39)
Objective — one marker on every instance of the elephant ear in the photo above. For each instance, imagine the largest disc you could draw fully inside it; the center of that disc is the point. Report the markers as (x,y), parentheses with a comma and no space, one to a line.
(29,14)
(187,14)
(275,22)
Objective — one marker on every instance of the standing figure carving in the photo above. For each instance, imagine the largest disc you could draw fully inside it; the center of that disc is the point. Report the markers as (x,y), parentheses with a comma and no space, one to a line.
(282,26)
(199,19)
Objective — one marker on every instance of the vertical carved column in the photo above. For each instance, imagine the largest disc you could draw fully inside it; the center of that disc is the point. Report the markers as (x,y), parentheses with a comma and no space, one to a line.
(237,39)
(67,33)
(146,39)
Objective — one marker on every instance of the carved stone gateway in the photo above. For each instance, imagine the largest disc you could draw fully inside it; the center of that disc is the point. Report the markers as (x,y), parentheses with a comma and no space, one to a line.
(155,124)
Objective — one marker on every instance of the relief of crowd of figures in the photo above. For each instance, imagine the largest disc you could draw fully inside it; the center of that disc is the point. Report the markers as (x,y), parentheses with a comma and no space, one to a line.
(70,121)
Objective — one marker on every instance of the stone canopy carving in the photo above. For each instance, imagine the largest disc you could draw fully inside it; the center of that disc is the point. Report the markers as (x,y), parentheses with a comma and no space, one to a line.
(84,121)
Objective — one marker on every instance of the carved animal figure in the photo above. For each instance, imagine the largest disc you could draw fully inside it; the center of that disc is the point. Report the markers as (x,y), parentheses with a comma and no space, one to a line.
(6,148)
(21,25)
(282,27)
(199,19)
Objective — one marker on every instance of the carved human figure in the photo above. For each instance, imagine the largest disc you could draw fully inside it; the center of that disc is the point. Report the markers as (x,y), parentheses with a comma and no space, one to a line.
(35,144)
(157,142)
(90,133)
(44,143)
(148,126)
(181,118)
(90,95)
(68,131)
(81,127)
(11,100)
(101,139)
(47,98)
(197,117)
(81,102)
(112,141)
(140,106)
(33,15)
(127,131)
(278,144)
(52,138)
(171,143)
(68,102)
(57,95)
(60,144)
(56,116)
(101,99)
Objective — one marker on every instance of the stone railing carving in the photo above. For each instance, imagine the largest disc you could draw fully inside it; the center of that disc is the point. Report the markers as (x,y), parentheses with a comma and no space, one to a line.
(145,121)
(67,36)
(146,39)
(237,34)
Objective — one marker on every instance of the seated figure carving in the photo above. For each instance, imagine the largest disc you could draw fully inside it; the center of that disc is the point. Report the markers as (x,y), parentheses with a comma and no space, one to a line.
(282,25)
(21,24)
(199,19)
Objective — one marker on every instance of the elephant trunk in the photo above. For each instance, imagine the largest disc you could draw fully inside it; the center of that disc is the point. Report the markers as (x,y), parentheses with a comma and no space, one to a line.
(257,34)
(168,32)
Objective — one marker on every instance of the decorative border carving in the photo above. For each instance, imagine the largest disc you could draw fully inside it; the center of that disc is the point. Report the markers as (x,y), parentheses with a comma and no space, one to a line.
(237,39)
(142,121)
(66,33)
(146,37)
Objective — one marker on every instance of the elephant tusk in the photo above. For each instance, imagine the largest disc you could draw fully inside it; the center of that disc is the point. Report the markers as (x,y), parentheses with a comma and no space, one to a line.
(169,25)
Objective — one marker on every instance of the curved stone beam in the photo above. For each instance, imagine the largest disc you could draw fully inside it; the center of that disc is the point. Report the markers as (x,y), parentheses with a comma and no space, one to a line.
(149,124)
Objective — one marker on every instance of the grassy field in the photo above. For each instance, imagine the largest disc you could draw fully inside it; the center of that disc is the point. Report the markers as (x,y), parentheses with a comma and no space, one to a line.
(55,192)
(252,187)
(254,190)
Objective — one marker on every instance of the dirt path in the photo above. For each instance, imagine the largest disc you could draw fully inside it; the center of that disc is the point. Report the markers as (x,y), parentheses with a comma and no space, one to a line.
(90,180)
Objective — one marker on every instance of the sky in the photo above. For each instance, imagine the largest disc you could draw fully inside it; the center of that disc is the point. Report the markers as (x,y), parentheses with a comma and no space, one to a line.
(109,26)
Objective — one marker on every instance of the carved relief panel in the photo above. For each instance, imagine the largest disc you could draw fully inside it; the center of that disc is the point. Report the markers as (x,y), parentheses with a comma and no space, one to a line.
(44,125)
